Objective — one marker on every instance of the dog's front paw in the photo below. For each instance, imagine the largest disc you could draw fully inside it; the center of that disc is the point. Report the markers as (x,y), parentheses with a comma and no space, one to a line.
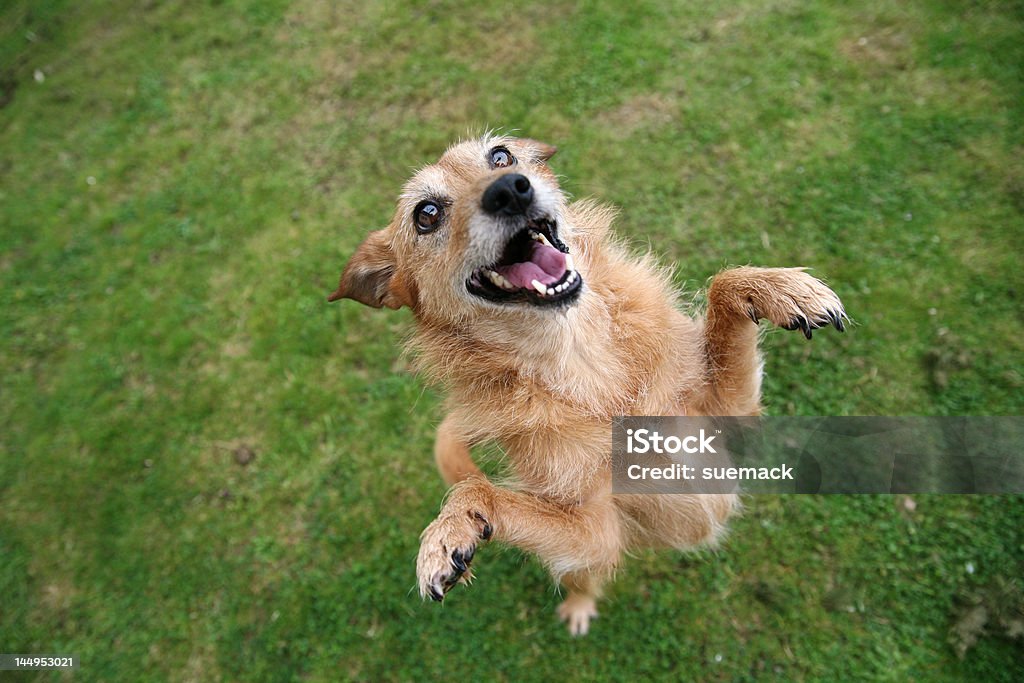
(447,547)
(794,300)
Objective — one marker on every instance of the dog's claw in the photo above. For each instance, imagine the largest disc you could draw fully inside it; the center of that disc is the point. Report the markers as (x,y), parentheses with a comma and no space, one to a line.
(460,563)
(837,320)
(488,530)
(461,567)
(801,323)
(831,317)
(805,327)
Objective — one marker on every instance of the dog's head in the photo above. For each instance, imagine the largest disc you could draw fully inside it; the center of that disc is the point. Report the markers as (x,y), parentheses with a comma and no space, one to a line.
(484,227)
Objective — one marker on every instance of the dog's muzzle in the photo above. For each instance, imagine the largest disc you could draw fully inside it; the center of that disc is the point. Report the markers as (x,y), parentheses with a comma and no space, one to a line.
(535,266)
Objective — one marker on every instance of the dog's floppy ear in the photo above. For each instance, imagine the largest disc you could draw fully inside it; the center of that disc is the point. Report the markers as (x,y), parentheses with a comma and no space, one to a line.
(543,149)
(369,277)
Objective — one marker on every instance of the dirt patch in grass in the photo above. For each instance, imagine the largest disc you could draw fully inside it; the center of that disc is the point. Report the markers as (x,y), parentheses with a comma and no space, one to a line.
(882,49)
(646,110)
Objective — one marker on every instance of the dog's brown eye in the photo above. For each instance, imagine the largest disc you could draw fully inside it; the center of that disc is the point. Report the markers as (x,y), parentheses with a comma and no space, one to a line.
(427,216)
(501,157)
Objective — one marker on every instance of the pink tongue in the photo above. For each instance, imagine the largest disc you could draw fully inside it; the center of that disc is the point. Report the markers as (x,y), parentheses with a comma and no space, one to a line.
(546,265)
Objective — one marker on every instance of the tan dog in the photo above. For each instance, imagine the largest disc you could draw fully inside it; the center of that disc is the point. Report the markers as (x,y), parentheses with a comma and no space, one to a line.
(542,328)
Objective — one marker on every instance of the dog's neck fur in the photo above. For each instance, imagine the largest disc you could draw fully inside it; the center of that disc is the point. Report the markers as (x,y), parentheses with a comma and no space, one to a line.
(569,352)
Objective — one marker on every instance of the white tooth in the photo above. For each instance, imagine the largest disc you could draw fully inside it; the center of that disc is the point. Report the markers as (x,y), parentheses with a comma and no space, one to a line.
(551,292)
(568,262)
(560,287)
(539,287)
(544,239)
(499,279)
(536,235)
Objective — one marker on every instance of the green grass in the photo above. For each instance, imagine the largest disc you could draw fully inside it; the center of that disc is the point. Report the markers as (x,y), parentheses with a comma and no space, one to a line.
(181,189)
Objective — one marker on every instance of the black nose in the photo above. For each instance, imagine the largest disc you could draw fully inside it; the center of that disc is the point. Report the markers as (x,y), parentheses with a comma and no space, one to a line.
(510,194)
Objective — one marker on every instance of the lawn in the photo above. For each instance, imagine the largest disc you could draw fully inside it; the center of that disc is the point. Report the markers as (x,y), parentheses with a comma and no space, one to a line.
(208,473)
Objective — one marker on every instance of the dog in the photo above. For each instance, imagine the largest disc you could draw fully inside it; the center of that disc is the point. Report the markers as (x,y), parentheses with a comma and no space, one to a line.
(543,327)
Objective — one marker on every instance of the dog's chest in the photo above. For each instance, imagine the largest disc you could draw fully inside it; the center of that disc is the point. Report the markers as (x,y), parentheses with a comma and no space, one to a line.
(563,464)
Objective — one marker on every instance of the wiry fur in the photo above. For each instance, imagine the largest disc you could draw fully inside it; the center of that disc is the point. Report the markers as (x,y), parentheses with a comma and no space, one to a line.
(546,382)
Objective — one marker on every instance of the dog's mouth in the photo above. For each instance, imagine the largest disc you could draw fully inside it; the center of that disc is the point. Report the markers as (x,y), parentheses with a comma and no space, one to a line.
(535,268)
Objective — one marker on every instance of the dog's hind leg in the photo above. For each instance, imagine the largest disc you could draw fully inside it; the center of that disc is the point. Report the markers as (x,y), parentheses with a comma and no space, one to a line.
(681,521)
(737,299)
(451,452)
